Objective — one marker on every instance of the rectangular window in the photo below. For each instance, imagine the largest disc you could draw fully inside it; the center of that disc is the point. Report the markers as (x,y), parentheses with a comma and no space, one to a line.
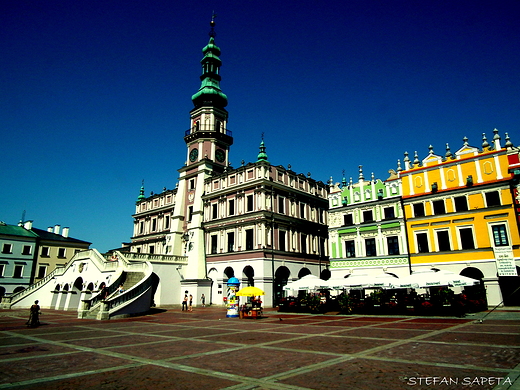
(422,243)
(231,207)
(214,247)
(500,235)
(2,269)
(42,271)
(141,228)
(461,203)
(190,213)
(151,249)
(492,198)
(350,248)
(61,253)
(167,222)
(348,220)
(281,205)
(418,210)
(302,210)
(154,224)
(250,206)
(393,245)
(7,248)
(45,251)
(214,211)
(231,242)
(304,243)
(27,249)
(368,216)
(389,212)
(438,207)
(18,271)
(443,240)
(249,239)
(192,184)
(281,240)
(370,247)
(466,238)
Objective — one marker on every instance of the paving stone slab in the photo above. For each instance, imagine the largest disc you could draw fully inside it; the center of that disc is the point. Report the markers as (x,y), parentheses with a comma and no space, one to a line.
(477,338)
(49,366)
(139,378)
(332,344)
(255,362)
(31,349)
(383,333)
(169,349)
(481,356)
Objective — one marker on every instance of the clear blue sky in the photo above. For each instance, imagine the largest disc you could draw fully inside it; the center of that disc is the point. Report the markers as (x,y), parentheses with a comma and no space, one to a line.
(95,95)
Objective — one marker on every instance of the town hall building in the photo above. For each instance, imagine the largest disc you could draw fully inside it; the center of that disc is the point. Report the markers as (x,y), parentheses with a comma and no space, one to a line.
(263,224)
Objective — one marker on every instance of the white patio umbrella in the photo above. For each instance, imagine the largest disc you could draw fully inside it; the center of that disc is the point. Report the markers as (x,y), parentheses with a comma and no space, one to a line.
(459,280)
(384,281)
(308,282)
(432,278)
(353,281)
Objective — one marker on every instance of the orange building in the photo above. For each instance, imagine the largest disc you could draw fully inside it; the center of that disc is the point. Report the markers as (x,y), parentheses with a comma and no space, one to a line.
(461,215)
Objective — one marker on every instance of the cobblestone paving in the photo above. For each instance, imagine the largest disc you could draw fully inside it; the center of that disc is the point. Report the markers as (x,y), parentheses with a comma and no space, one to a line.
(171,349)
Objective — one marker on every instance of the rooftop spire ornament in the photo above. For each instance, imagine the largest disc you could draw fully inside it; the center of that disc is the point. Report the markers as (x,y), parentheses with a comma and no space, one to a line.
(212,32)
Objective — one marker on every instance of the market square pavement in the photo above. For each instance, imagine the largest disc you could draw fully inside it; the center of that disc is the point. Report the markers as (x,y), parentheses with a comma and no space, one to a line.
(203,349)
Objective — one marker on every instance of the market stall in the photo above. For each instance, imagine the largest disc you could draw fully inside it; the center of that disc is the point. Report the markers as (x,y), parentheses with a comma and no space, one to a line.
(253,307)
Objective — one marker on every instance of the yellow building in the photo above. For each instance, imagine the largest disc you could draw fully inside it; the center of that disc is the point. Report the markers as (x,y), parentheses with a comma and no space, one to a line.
(460,215)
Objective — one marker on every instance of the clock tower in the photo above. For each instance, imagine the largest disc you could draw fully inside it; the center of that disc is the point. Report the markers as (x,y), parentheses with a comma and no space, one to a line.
(208,142)
(208,137)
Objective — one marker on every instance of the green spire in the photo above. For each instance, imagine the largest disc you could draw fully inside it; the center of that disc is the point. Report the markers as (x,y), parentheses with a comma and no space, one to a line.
(210,92)
(262,156)
(141,193)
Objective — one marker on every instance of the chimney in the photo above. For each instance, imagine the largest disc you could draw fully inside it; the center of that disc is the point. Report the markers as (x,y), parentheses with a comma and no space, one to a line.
(57,229)
(28,225)
(49,229)
(65,232)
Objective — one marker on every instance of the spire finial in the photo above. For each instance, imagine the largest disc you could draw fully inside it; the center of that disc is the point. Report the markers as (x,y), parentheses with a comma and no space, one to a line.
(262,156)
(448,151)
(485,144)
(141,192)
(212,32)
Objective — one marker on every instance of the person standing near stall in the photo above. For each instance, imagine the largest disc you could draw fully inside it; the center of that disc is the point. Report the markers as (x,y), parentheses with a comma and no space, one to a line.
(190,305)
(185,302)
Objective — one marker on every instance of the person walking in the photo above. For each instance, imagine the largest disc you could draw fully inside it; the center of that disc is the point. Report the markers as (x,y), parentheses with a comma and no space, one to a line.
(203,300)
(185,303)
(190,305)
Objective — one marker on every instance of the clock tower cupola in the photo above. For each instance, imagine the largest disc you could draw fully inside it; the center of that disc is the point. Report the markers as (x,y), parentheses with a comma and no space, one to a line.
(208,136)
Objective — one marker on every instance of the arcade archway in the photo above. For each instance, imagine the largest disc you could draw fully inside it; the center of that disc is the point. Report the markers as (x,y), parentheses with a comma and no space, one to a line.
(281,278)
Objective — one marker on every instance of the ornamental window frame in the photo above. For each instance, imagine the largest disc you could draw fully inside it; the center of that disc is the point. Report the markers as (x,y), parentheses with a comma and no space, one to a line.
(419,237)
(462,239)
(493,198)
(350,249)
(439,239)
(504,236)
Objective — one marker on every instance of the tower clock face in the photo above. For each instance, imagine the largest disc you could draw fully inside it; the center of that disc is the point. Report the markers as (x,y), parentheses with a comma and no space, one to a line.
(220,155)
(194,154)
